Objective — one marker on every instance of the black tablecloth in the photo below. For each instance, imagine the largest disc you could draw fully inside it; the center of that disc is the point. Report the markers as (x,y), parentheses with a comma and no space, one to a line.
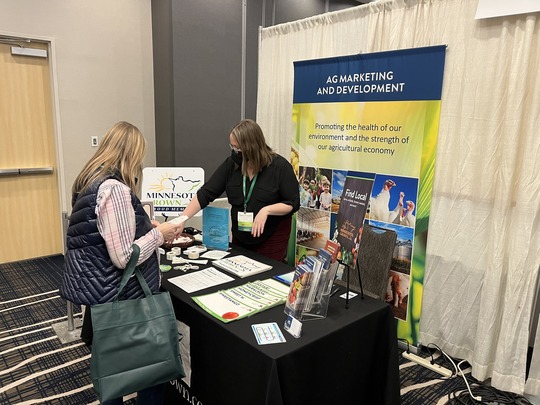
(350,357)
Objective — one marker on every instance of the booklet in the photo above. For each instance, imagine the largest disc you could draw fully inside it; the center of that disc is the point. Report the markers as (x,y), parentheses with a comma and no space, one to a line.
(241,266)
(215,224)
(351,214)
(299,291)
(242,301)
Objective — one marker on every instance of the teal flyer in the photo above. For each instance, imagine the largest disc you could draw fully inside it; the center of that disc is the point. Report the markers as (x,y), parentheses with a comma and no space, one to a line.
(215,225)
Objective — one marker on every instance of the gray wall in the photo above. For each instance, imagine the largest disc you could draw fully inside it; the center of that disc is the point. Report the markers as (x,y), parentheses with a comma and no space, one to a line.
(198,71)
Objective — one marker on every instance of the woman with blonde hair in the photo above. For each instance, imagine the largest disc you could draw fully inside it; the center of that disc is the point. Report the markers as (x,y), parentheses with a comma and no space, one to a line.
(107,217)
(261,187)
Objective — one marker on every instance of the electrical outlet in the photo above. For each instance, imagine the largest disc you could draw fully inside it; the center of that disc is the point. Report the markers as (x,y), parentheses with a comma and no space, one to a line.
(94,141)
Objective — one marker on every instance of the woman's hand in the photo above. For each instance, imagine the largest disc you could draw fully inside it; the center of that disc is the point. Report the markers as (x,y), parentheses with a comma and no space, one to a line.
(179,222)
(169,231)
(258,223)
(278,209)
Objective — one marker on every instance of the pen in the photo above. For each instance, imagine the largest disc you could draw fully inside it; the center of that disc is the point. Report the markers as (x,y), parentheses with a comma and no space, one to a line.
(334,292)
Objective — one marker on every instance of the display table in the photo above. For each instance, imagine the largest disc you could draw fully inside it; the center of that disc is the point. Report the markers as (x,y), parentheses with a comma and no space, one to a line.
(350,357)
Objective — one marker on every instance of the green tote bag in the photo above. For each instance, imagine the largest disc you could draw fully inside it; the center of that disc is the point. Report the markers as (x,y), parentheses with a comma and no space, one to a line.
(135,343)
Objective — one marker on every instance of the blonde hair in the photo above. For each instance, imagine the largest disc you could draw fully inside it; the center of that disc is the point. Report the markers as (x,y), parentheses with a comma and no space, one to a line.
(121,153)
(251,142)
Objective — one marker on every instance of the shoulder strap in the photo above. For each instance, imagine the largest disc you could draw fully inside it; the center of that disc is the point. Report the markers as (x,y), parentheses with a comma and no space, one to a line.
(129,270)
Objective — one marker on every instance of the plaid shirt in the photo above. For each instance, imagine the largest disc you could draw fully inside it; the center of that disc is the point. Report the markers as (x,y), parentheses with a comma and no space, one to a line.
(116,224)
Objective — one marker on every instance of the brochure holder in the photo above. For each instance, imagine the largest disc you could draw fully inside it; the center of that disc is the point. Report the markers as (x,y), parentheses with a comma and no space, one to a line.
(318,310)
(319,307)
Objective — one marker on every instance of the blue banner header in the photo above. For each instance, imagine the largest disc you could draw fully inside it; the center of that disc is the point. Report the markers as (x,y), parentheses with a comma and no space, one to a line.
(402,75)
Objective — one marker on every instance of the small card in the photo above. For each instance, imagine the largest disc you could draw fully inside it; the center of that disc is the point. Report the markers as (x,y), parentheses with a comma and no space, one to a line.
(214,254)
(268,333)
(351,295)
(293,326)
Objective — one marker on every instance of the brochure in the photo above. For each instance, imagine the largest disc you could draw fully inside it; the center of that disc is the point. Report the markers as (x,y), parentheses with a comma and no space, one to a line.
(351,214)
(315,265)
(242,301)
(215,224)
(241,266)
(299,291)
(333,248)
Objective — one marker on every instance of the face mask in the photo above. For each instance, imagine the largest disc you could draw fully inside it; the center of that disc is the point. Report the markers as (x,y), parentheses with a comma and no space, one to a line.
(236,157)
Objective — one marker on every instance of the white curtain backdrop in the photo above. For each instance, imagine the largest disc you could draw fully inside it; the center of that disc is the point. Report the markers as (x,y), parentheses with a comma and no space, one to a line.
(483,252)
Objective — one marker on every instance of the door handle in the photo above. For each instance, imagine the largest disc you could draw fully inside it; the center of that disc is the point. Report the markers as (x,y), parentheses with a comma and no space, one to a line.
(32,170)
(8,172)
(36,170)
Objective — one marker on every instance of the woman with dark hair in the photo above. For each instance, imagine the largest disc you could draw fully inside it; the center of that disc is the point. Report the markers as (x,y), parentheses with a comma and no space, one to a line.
(107,217)
(262,189)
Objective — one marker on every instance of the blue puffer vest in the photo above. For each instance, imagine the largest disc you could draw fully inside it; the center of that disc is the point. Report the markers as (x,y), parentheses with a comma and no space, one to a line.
(89,274)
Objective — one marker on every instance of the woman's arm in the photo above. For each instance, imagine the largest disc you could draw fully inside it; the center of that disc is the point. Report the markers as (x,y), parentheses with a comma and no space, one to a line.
(289,193)
(116,225)
(278,209)
(212,189)
(193,207)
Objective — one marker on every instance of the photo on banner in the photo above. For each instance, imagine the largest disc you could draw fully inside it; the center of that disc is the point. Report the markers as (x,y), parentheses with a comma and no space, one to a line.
(377,114)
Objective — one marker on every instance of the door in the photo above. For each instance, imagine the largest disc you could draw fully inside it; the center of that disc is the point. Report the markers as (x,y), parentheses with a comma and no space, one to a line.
(30,217)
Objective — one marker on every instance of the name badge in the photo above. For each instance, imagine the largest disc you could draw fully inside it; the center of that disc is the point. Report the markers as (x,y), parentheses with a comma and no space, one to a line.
(245,221)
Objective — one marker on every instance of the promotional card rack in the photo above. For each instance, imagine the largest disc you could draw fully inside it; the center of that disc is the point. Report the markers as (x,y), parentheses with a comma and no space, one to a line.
(309,293)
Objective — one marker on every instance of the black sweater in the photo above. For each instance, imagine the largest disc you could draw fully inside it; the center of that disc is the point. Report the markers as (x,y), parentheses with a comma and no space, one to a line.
(275,183)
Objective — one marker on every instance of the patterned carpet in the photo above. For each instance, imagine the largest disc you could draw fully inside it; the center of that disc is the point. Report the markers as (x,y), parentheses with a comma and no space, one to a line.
(421,386)
(37,368)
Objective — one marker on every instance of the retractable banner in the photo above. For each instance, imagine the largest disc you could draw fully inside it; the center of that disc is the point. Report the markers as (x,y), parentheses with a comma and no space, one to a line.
(372,113)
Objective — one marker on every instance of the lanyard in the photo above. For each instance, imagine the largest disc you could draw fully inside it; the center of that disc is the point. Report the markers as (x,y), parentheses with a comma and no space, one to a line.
(246,199)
